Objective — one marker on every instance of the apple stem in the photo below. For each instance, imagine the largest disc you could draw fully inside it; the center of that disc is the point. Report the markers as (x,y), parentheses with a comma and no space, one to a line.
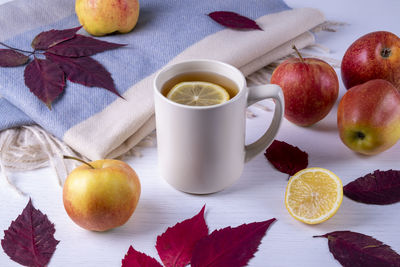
(78,159)
(298,53)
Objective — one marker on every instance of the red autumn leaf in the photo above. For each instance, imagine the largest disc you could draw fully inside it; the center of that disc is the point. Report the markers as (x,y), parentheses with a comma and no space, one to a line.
(234,20)
(175,246)
(11,58)
(45,79)
(135,258)
(30,238)
(81,46)
(85,70)
(230,247)
(47,39)
(353,249)
(286,158)
(379,187)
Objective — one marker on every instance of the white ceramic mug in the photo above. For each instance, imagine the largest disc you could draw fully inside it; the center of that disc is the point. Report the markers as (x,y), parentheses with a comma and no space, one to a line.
(201,149)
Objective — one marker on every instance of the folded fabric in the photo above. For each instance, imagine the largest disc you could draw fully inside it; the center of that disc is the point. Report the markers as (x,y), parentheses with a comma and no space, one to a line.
(96,123)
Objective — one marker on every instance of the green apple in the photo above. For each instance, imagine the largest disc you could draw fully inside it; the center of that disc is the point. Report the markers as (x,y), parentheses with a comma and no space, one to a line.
(101,17)
(368,117)
(102,194)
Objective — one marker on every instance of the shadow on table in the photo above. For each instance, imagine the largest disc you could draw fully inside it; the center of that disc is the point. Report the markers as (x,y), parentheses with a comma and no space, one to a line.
(350,216)
(146,218)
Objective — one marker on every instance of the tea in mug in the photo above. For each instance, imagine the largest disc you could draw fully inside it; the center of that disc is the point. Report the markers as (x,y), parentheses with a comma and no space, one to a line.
(199,89)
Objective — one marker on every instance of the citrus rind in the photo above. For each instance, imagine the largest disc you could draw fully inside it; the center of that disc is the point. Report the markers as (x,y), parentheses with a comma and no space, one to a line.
(313,195)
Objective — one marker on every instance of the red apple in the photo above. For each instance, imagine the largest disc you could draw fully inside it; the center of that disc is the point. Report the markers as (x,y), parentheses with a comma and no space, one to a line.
(310,87)
(102,194)
(368,117)
(375,55)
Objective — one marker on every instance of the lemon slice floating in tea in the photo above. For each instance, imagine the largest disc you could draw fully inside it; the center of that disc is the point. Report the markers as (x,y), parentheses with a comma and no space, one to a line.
(198,94)
(313,195)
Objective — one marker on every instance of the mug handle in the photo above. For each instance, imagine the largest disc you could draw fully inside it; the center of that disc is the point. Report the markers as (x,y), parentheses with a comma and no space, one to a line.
(257,93)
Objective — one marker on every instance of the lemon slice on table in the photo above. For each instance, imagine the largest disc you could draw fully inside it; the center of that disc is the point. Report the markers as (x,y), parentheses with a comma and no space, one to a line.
(198,94)
(313,195)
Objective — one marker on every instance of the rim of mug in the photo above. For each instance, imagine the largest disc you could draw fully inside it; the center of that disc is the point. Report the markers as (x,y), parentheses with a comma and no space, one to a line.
(242,89)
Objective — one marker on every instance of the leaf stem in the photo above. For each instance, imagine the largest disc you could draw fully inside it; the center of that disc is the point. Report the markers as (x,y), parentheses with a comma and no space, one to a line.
(20,50)
(78,159)
(298,53)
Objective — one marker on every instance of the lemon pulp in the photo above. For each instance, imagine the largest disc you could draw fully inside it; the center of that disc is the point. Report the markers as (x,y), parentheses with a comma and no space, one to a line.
(198,94)
(313,195)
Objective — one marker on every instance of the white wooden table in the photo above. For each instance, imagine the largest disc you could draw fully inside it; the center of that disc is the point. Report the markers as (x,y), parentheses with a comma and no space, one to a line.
(258,195)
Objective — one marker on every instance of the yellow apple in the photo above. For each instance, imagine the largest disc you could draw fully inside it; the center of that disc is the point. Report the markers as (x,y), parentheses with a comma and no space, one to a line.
(102,194)
(101,17)
(368,117)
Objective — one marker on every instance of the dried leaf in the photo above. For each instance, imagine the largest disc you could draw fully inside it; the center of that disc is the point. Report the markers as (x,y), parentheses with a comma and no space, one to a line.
(353,249)
(379,187)
(84,70)
(47,39)
(11,58)
(135,258)
(45,79)
(230,247)
(234,20)
(81,46)
(286,158)
(175,246)
(30,238)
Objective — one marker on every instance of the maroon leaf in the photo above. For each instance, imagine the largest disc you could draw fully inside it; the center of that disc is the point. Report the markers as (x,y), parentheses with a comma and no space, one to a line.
(175,246)
(379,187)
(353,249)
(230,247)
(81,46)
(135,258)
(45,79)
(234,20)
(47,39)
(11,58)
(85,70)
(30,238)
(286,158)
